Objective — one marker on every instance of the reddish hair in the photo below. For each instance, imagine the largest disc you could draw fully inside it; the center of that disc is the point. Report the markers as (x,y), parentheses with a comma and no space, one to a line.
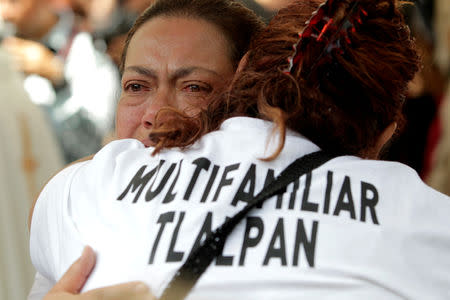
(342,103)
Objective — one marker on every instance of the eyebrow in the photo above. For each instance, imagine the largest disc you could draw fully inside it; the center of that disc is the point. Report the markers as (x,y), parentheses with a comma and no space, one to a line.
(141,70)
(179,73)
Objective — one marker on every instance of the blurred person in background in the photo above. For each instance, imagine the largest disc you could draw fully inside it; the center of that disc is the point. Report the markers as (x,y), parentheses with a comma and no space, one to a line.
(411,145)
(76,84)
(29,155)
(442,32)
(439,175)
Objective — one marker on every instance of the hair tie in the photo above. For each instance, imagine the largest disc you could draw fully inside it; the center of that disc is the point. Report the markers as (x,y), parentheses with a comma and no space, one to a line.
(320,25)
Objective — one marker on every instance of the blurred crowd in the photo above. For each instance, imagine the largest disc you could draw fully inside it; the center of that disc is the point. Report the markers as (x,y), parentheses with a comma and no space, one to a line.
(424,141)
(61,83)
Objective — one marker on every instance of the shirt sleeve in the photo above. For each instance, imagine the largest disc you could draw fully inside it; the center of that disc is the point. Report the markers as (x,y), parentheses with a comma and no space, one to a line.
(67,205)
(53,235)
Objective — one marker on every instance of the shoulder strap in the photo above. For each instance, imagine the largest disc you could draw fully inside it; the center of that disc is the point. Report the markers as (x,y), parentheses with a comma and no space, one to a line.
(199,260)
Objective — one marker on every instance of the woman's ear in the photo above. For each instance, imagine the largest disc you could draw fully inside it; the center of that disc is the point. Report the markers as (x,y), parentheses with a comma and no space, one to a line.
(242,63)
(384,137)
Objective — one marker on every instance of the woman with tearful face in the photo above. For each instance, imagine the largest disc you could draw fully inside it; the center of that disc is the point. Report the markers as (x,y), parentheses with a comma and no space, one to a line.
(177,55)
(171,61)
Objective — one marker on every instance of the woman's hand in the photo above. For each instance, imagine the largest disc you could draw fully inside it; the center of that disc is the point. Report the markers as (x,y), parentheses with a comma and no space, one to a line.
(69,286)
(34,58)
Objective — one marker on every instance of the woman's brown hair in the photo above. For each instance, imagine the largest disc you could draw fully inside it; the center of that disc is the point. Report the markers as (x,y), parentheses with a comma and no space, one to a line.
(341,94)
(236,22)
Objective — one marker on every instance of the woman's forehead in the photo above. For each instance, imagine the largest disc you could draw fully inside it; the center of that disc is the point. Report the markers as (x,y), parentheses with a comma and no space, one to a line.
(188,30)
(180,40)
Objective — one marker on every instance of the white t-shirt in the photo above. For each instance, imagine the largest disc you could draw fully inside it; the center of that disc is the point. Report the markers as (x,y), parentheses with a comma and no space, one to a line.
(352,229)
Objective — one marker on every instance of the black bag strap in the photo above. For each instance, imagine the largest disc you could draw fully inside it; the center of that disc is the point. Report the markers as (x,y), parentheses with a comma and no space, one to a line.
(200,258)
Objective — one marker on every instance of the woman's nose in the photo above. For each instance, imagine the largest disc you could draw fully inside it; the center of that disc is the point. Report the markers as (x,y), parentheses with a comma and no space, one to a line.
(162,98)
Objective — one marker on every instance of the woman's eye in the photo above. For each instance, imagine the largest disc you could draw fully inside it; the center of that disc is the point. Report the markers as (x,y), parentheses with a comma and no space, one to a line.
(134,87)
(197,88)
(193,88)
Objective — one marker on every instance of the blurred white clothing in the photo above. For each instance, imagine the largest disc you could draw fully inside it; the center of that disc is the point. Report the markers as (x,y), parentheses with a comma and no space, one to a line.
(29,156)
